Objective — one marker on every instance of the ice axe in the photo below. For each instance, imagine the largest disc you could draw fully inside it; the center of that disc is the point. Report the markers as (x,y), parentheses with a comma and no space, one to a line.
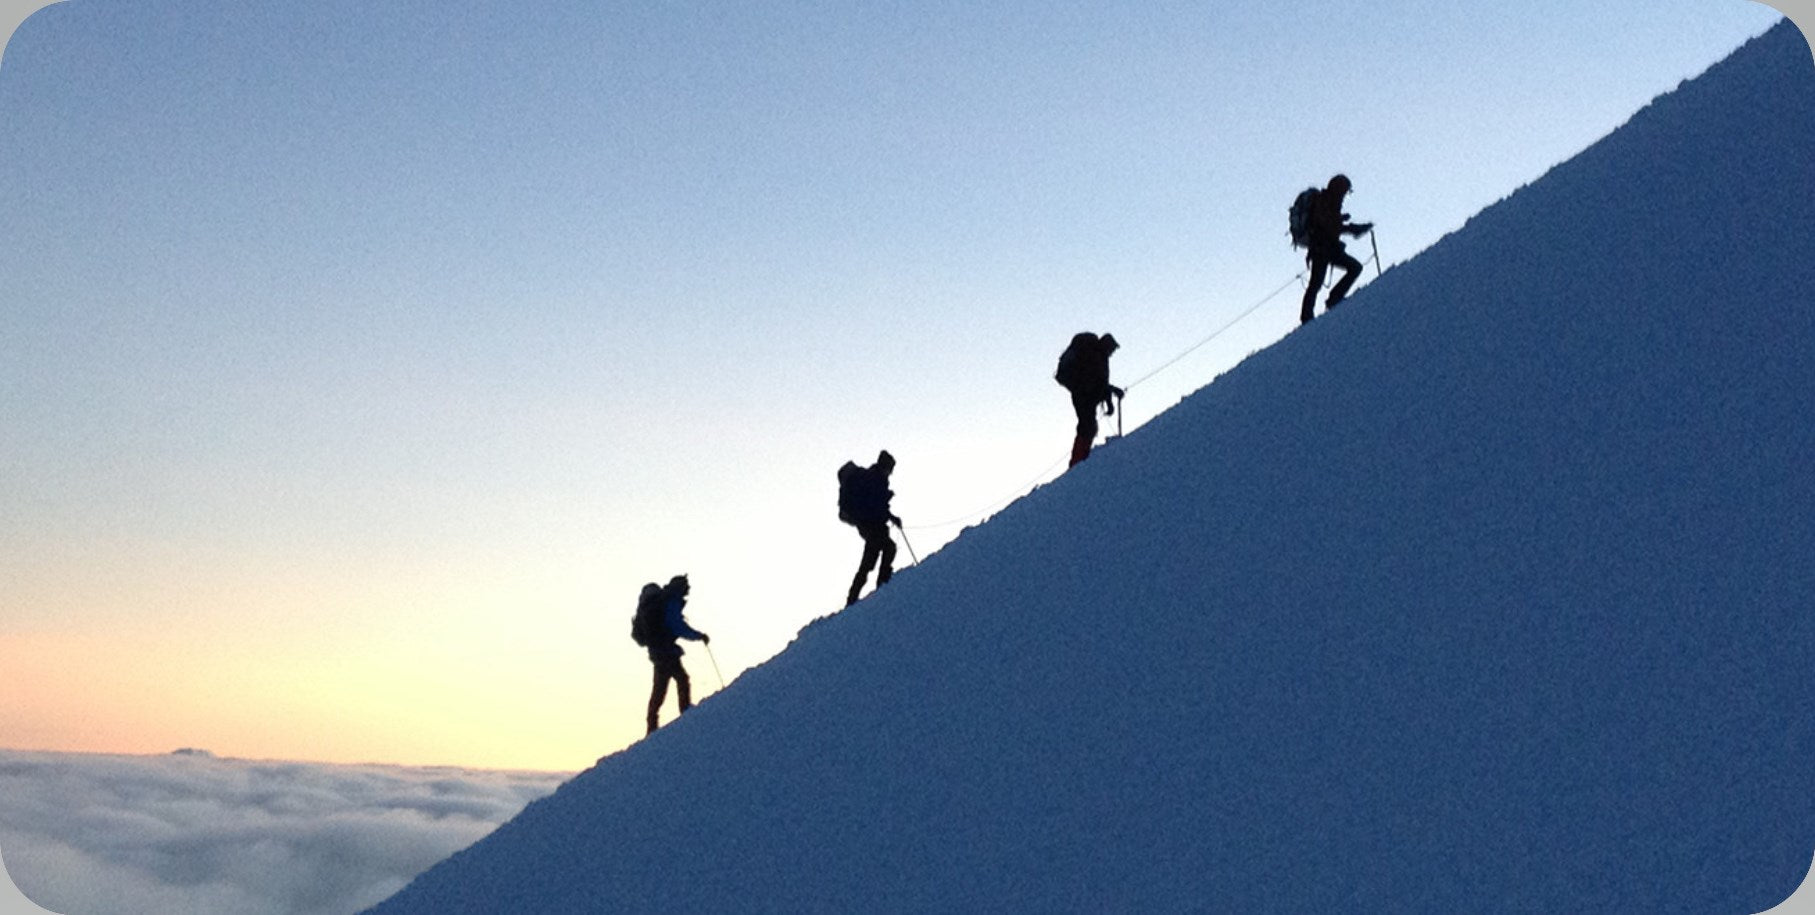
(904,541)
(714,659)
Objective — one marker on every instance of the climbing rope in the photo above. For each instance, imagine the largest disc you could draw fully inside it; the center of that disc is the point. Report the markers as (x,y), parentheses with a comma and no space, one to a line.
(1219,331)
(1018,491)
(1297,279)
(1041,476)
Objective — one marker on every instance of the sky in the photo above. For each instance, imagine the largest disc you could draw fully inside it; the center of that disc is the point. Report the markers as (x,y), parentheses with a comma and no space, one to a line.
(359,363)
(1487,592)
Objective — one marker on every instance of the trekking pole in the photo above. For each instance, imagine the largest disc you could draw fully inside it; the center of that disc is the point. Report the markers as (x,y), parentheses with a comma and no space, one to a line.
(714,659)
(1376,246)
(1119,410)
(904,542)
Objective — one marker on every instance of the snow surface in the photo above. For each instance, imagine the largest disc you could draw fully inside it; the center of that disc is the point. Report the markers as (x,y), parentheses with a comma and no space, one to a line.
(1488,591)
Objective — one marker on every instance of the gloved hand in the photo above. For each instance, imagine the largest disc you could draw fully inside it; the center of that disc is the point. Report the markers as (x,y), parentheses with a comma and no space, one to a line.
(705,638)
(1362,228)
(895,519)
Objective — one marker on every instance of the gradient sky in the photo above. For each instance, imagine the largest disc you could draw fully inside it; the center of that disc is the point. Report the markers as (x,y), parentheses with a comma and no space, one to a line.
(359,362)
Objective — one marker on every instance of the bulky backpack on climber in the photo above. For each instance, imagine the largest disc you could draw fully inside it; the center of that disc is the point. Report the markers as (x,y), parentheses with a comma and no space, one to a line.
(648,627)
(1070,361)
(1300,216)
(850,478)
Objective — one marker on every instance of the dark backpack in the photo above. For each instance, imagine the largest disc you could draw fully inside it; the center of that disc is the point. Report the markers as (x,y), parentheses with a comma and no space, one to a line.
(850,489)
(1070,361)
(1300,216)
(649,627)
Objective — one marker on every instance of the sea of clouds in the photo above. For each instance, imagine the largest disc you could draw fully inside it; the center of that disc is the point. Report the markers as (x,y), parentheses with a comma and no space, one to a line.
(189,832)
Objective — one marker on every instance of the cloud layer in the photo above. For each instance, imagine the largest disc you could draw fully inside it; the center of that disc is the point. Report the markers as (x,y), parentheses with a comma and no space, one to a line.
(96,835)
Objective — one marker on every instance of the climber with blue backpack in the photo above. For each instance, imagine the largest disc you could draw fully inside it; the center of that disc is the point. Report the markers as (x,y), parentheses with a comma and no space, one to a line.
(1318,224)
(659,621)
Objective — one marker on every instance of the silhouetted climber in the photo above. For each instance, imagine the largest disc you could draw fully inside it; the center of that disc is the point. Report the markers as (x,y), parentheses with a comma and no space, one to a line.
(1084,371)
(659,621)
(1318,224)
(863,503)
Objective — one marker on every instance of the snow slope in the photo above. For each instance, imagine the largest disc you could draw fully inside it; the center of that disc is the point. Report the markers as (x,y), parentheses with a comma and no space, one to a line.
(1489,591)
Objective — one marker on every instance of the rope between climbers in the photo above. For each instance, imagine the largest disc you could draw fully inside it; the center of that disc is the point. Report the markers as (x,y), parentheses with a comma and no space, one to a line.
(1168,364)
(1299,278)
(1219,331)
(993,505)
(1018,491)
